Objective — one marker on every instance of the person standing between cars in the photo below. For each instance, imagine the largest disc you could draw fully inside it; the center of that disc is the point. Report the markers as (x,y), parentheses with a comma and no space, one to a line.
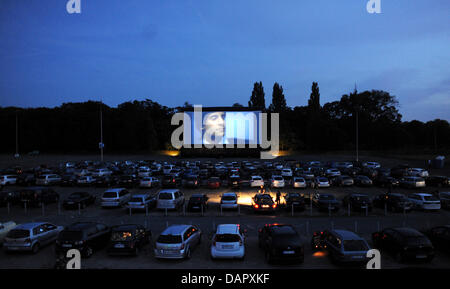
(278,197)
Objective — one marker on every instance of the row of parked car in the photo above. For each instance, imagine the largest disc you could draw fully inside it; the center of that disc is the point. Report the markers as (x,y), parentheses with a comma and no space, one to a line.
(279,242)
(216,174)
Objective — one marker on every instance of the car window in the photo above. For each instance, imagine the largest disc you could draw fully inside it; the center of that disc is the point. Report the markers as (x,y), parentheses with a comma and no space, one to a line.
(49,227)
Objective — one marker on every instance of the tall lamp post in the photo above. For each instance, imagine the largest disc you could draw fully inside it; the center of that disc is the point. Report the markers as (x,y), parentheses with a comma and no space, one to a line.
(17,136)
(101,144)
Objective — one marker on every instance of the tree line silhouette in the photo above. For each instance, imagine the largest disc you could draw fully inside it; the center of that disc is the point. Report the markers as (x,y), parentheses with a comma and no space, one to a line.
(144,126)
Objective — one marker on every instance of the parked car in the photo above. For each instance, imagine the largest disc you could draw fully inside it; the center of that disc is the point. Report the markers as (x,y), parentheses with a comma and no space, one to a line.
(48,180)
(325,202)
(192,181)
(362,181)
(299,182)
(423,201)
(142,201)
(31,237)
(105,181)
(372,165)
(5,228)
(128,239)
(321,182)
(395,202)
(404,243)
(440,237)
(214,183)
(418,172)
(198,202)
(25,180)
(286,173)
(115,197)
(228,242)
(256,181)
(344,180)
(358,202)
(263,203)
(412,182)
(170,199)
(386,181)
(169,181)
(127,181)
(280,243)
(101,172)
(78,199)
(342,246)
(277,182)
(229,201)
(332,172)
(294,200)
(36,196)
(445,199)
(235,181)
(68,180)
(87,237)
(86,181)
(438,181)
(177,242)
(8,180)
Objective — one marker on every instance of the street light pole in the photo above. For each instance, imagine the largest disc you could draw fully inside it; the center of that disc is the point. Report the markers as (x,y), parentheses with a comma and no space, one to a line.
(101,130)
(17,136)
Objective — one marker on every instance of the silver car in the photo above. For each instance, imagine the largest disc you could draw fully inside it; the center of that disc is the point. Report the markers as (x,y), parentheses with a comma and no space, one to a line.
(31,236)
(177,242)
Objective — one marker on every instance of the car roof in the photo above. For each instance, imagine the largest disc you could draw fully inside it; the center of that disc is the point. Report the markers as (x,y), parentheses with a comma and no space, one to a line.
(196,195)
(141,195)
(407,232)
(29,226)
(126,227)
(175,230)
(229,194)
(228,229)
(422,194)
(169,191)
(80,226)
(116,190)
(347,235)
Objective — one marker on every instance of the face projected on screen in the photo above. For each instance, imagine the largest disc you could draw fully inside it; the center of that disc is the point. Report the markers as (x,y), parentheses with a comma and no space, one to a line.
(214,127)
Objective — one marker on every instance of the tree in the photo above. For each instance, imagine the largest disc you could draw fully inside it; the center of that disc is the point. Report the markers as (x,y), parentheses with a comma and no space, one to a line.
(278,99)
(257,99)
(314,98)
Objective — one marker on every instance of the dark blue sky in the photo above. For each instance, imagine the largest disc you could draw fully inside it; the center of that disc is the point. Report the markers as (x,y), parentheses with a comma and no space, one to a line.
(211,52)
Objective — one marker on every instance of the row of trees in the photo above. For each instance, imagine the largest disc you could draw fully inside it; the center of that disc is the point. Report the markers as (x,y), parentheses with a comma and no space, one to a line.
(140,126)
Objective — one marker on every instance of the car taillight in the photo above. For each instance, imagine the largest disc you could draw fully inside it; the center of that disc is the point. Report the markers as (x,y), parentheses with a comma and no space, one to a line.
(256,206)
(274,205)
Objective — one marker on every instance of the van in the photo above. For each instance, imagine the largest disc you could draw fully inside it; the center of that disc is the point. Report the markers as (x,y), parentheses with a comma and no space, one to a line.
(115,197)
(169,199)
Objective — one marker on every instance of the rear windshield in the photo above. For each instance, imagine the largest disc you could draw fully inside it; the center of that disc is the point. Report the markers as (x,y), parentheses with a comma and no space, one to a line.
(227,238)
(165,196)
(228,198)
(169,239)
(355,245)
(110,195)
(257,179)
(121,236)
(71,235)
(16,234)
(136,200)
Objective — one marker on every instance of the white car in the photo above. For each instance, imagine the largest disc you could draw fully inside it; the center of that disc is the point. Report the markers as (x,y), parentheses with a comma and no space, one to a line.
(299,182)
(286,172)
(115,197)
(86,180)
(167,169)
(170,199)
(228,242)
(5,228)
(141,201)
(425,201)
(333,172)
(229,201)
(322,182)
(277,182)
(144,172)
(372,165)
(256,181)
(48,179)
(149,182)
(101,172)
(8,180)
(417,172)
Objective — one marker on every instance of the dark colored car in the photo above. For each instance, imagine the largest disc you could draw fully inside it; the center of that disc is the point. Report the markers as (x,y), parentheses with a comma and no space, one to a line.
(87,237)
(26,180)
(214,183)
(192,181)
(325,202)
(81,199)
(400,171)
(127,181)
(344,181)
(395,202)
(362,181)
(128,239)
(235,181)
(438,181)
(343,246)
(294,200)
(197,201)
(440,237)
(445,200)
(169,181)
(404,244)
(386,181)
(263,203)
(104,181)
(281,243)
(36,196)
(68,180)
(358,202)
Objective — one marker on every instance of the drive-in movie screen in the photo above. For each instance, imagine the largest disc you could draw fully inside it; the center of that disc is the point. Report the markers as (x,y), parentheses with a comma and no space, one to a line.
(224,143)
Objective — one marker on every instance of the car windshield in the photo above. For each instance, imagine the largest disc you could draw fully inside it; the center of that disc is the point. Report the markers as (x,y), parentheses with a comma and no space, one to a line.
(227,238)
(228,198)
(16,234)
(165,196)
(430,198)
(121,236)
(71,235)
(355,245)
(169,239)
(110,195)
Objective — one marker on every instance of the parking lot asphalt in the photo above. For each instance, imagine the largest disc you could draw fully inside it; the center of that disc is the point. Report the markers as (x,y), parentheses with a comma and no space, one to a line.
(306,222)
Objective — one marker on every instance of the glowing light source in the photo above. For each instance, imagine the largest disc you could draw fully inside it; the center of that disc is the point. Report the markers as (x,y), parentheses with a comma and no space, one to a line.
(171,153)
(319,254)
